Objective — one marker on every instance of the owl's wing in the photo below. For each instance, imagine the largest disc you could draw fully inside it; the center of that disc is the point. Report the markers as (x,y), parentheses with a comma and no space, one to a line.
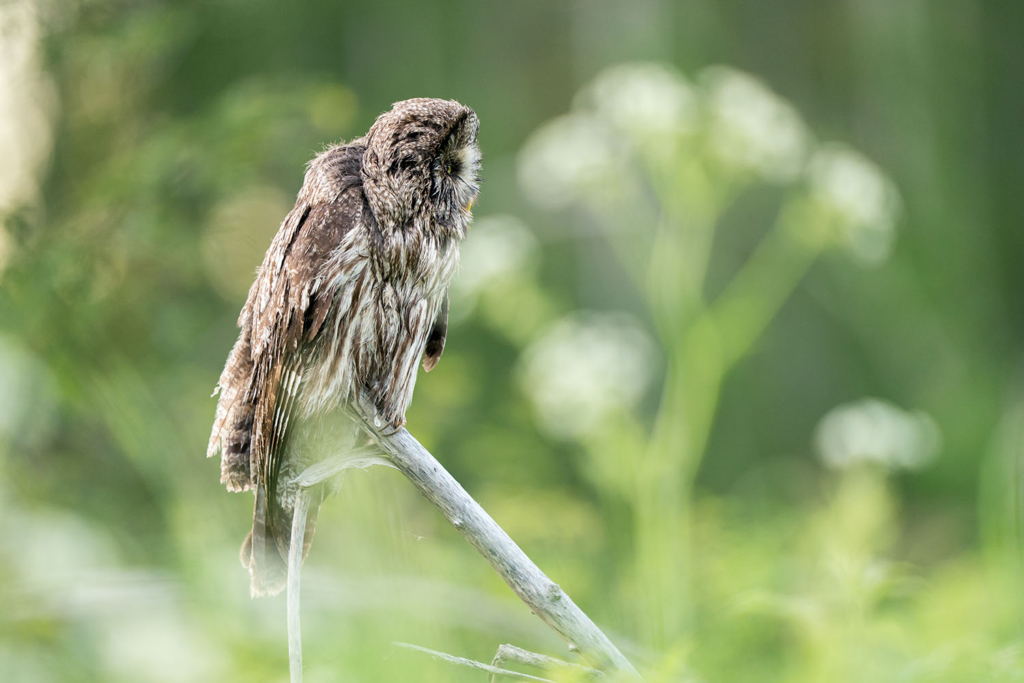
(280,304)
(292,298)
(438,334)
(252,372)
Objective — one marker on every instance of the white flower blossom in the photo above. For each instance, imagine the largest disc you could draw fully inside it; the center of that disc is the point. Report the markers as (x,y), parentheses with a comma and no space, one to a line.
(872,430)
(584,368)
(752,129)
(496,247)
(863,198)
(649,102)
(570,156)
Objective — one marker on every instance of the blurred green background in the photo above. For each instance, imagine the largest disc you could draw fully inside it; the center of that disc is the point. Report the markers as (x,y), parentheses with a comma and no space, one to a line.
(735,351)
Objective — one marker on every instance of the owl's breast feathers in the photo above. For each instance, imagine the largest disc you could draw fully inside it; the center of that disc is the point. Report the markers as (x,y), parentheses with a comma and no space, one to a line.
(337,305)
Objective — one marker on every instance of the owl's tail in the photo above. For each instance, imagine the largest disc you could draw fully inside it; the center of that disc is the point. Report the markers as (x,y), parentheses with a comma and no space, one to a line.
(265,550)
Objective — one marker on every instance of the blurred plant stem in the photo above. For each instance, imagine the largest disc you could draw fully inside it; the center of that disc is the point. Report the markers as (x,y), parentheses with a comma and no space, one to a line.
(702,344)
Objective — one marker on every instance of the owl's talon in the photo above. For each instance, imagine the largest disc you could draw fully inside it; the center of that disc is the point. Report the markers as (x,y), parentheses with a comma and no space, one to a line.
(373,415)
(393,427)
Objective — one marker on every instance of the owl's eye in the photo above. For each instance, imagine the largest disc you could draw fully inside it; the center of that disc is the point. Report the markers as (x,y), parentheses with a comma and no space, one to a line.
(452,166)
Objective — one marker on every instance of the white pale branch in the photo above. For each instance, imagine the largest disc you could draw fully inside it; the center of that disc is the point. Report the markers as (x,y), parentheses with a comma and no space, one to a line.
(473,664)
(294,581)
(510,653)
(543,596)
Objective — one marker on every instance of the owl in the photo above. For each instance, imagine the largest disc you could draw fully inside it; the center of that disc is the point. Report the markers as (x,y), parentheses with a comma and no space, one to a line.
(351,295)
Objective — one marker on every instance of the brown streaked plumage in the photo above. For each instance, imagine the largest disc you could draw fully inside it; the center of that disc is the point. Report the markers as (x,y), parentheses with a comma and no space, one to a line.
(351,296)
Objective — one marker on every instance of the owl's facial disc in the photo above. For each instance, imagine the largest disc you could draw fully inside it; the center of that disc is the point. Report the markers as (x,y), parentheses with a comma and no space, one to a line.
(457,182)
(464,175)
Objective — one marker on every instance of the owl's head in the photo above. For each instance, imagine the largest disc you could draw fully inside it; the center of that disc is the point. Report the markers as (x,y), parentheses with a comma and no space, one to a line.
(421,164)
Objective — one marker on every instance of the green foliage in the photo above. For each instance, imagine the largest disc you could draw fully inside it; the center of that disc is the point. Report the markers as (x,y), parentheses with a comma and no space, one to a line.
(676,306)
